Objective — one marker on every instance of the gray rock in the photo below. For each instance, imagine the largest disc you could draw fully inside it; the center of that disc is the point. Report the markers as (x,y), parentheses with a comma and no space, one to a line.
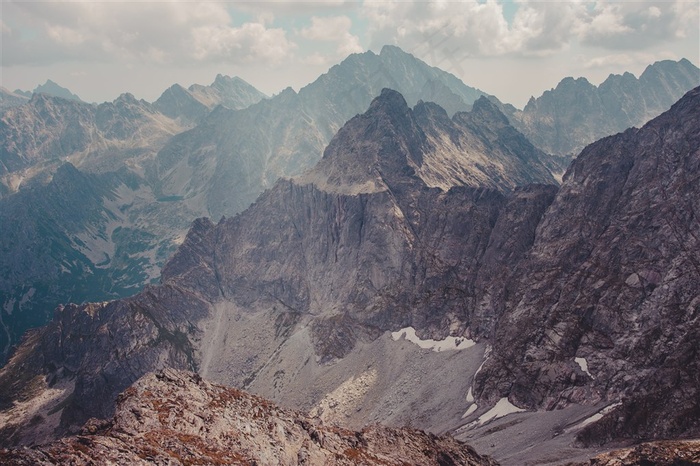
(613,278)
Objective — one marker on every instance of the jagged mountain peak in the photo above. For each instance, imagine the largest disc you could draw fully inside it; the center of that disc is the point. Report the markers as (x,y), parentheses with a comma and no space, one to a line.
(389,101)
(53,89)
(563,120)
(222,79)
(487,111)
(385,140)
(129,99)
(430,110)
(391,144)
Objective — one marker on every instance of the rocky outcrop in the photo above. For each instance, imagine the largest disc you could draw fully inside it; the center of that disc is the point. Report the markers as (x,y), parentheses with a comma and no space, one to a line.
(605,305)
(576,113)
(178,418)
(74,368)
(665,453)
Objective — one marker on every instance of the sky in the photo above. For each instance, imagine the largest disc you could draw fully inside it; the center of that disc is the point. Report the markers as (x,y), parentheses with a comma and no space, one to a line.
(511,49)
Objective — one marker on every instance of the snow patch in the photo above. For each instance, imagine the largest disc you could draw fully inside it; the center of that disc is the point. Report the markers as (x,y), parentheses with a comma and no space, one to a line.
(583,364)
(26,297)
(449,343)
(470,396)
(595,418)
(501,409)
(9,306)
(470,410)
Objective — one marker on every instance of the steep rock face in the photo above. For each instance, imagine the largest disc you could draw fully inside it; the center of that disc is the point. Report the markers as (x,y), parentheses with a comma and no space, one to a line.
(178,418)
(606,304)
(232,156)
(564,120)
(362,235)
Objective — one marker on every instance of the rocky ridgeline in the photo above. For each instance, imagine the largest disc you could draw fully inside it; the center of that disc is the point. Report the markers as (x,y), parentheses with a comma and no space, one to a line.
(576,113)
(177,418)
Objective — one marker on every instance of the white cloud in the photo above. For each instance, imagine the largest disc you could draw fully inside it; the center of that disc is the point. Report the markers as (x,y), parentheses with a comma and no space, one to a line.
(334,29)
(448,32)
(162,32)
(638,25)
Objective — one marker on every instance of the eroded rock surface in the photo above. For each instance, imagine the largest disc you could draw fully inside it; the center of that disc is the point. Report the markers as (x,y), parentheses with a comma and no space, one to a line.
(177,418)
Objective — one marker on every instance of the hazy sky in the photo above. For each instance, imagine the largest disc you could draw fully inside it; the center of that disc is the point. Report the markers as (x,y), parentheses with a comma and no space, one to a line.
(513,49)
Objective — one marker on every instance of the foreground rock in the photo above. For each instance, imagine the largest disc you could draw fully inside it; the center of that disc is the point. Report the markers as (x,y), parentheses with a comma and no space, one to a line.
(665,453)
(177,418)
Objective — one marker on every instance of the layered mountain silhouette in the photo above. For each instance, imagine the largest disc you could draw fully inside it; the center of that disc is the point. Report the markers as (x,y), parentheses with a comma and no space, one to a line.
(576,113)
(217,168)
(223,164)
(194,103)
(365,291)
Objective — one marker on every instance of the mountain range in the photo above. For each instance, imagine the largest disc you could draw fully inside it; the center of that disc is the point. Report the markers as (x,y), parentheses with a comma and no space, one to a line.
(217,168)
(576,113)
(383,223)
(382,285)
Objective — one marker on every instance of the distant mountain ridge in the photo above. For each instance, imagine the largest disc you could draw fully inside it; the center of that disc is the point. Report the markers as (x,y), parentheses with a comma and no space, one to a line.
(223,164)
(53,89)
(10,99)
(194,103)
(576,113)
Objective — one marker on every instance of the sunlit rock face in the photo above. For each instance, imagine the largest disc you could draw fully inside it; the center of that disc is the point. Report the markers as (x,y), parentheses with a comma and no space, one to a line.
(177,418)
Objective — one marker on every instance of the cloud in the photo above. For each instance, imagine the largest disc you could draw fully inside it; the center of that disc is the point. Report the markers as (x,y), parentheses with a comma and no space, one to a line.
(333,29)
(634,26)
(160,32)
(448,32)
